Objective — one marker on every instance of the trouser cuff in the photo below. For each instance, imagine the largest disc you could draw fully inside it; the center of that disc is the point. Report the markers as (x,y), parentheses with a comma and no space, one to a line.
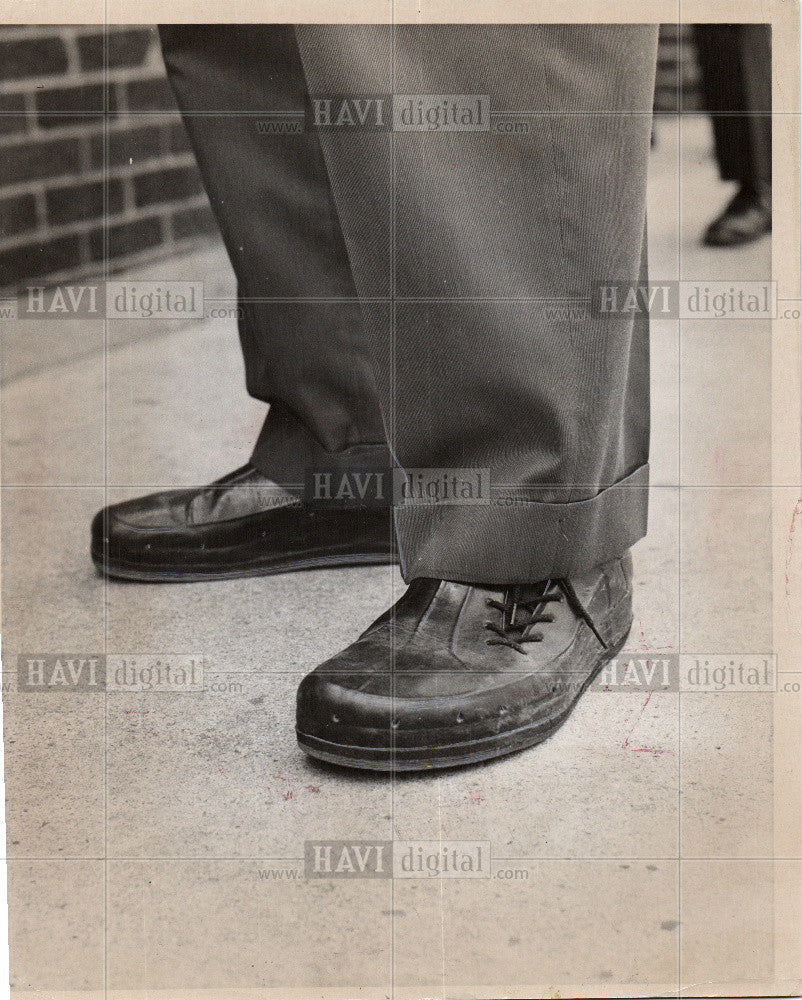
(509,541)
(290,455)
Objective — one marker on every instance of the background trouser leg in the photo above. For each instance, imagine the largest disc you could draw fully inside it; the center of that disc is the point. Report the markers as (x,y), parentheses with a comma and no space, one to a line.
(735,61)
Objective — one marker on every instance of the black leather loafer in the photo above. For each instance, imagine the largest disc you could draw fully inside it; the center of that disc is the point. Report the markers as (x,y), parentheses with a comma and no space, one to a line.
(454,674)
(240,525)
(744,220)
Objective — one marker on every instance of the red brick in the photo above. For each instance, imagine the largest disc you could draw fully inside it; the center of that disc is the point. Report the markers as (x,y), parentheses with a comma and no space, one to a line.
(34,57)
(126,238)
(12,116)
(84,201)
(166,185)
(189,222)
(150,95)
(87,98)
(17,215)
(141,143)
(670,52)
(37,260)
(126,47)
(30,160)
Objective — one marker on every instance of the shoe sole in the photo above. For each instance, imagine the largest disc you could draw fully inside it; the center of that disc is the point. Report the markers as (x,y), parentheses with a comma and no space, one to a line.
(739,241)
(142,574)
(391,759)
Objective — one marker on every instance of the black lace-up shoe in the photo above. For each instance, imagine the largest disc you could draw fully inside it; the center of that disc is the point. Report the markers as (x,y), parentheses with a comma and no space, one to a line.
(745,219)
(454,674)
(240,525)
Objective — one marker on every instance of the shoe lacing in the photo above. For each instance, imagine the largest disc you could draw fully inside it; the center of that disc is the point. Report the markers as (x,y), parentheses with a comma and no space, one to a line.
(519,616)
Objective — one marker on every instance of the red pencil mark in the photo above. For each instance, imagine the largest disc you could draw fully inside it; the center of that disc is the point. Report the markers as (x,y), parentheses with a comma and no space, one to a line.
(646,701)
(222,771)
(644,645)
(288,795)
(626,744)
(313,788)
(790,548)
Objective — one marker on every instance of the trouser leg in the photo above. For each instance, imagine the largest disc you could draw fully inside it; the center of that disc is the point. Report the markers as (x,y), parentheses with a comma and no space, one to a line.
(301,327)
(735,60)
(756,59)
(469,250)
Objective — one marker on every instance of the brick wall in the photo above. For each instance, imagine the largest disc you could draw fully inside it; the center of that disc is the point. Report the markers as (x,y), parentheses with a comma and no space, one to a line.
(52,155)
(52,150)
(677,71)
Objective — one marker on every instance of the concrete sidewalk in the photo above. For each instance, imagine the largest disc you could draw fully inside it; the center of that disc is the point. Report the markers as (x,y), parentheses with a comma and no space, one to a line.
(142,827)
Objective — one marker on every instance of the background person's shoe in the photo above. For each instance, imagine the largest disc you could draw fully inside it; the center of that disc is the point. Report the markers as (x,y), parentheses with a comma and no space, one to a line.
(454,674)
(745,219)
(241,525)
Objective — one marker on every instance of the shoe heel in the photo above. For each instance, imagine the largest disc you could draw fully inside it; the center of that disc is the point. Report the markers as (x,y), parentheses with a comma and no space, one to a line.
(618,623)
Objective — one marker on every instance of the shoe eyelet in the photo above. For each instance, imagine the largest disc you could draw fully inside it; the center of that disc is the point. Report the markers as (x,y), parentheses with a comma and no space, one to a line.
(335,718)
(503,710)
(460,717)
(394,723)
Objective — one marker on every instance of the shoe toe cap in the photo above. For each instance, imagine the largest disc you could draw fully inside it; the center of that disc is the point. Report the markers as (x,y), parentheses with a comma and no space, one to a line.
(345,702)
(134,528)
